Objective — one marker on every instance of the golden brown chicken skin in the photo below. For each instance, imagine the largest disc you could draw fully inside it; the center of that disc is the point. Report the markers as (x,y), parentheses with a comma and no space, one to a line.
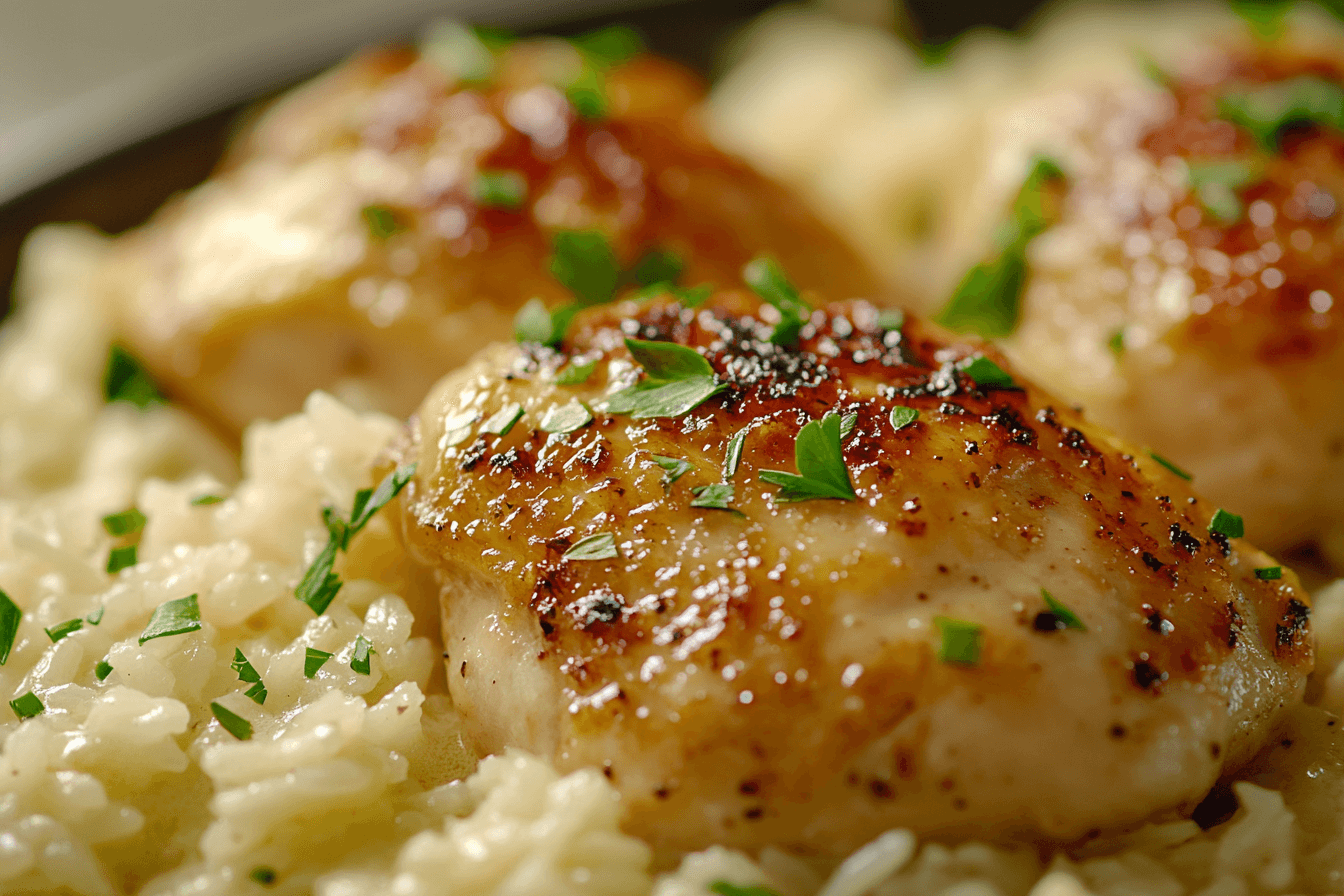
(376,227)
(811,673)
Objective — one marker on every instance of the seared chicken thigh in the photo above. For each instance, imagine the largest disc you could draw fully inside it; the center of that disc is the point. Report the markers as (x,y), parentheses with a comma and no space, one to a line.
(798,594)
(378,226)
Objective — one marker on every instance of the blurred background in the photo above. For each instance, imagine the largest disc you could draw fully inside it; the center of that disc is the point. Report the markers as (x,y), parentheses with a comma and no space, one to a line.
(108,108)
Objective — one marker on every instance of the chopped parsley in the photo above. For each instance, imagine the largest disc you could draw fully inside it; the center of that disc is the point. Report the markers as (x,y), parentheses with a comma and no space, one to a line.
(601,546)
(175,617)
(125,380)
(205,500)
(256,693)
(10,614)
(713,497)
(494,39)
(1216,183)
(97,615)
(724,888)
(599,51)
(673,467)
(585,264)
(692,296)
(960,641)
(505,190)
(609,46)
(988,300)
(576,373)
(901,417)
(1228,524)
(320,585)
(658,266)
(891,319)
(231,722)
(381,220)
(1065,617)
(359,657)
(677,379)
(121,558)
(733,457)
(263,875)
(65,629)
(504,419)
(566,418)
(1170,466)
(246,671)
(768,280)
(464,53)
(1268,111)
(847,424)
(102,670)
(821,465)
(128,522)
(314,659)
(587,93)
(533,323)
(1117,342)
(986,373)
(1269,573)
(27,706)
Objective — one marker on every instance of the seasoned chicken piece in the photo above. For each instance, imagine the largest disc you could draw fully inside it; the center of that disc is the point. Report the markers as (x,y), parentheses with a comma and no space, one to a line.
(952,606)
(378,226)
(1189,293)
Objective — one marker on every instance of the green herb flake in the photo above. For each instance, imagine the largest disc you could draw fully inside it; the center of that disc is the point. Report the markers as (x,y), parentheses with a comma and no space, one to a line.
(493,38)
(176,617)
(601,546)
(1269,573)
(587,94)
(576,373)
(1066,617)
(1227,524)
(985,373)
(319,585)
(768,280)
(390,486)
(585,264)
(565,418)
(1037,204)
(1170,466)
(891,319)
(124,379)
(246,671)
(121,558)
(27,706)
(673,468)
(713,497)
(658,266)
(128,522)
(381,220)
(1117,342)
(821,465)
(256,693)
(504,419)
(1267,111)
(847,425)
(901,417)
(724,888)
(609,46)
(693,296)
(102,670)
(1216,185)
(205,500)
(1264,18)
(533,323)
(960,641)
(313,659)
(677,379)
(463,53)
(231,722)
(65,629)
(733,456)
(10,614)
(506,190)
(359,658)
(97,615)
(263,875)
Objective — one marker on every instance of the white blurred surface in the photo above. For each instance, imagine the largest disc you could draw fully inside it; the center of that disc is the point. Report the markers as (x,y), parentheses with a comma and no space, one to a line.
(81,78)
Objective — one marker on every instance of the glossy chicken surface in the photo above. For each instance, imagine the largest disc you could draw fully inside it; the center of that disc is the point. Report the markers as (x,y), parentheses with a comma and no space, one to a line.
(810,674)
(1189,294)
(376,227)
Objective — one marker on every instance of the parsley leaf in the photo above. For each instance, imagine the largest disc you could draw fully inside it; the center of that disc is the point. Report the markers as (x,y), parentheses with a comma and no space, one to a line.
(205,500)
(464,53)
(533,323)
(388,489)
(246,671)
(733,456)
(601,546)
(587,93)
(891,319)
(768,280)
(319,585)
(27,706)
(1228,524)
(65,629)
(565,418)
(1066,617)
(1269,573)
(504,419)
(1170,466)
(1216,183)
(102,670)
(724,888)
(175,617)
(231,722)
(359,657)
(10,614)
(847,424)
(313,659)
(381,220)
(125,380)
(97,615)
(128,522)
(505,190)
(609,46)
(585,264)
(576,373)
(256,693)
(713,497)
(658,266)
(1117,342)
(960,641)
(121,558)
(1267,111)
(673,468)
(677,379)
(821,465)
(985,373)
(263,875)
(901,417)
